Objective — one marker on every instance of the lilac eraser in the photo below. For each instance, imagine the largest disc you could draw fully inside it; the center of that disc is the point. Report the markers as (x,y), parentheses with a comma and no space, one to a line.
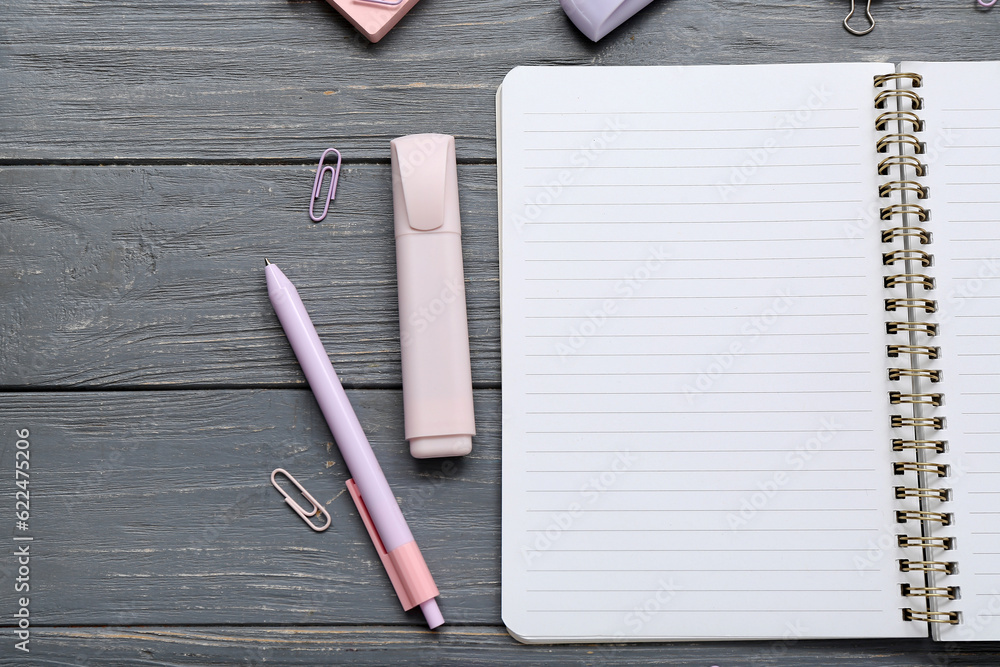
(596,18)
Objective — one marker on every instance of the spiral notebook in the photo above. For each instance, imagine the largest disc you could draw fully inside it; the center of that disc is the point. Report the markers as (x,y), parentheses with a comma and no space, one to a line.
(751,351)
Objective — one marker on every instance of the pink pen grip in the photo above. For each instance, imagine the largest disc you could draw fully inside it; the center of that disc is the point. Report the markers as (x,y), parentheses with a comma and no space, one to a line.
(408,572)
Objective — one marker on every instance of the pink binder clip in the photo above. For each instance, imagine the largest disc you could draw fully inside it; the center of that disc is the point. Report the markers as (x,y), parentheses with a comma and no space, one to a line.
(321,170)
(373,18)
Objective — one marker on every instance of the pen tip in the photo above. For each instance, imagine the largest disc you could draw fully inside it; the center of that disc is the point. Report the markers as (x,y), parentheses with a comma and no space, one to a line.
(267,262)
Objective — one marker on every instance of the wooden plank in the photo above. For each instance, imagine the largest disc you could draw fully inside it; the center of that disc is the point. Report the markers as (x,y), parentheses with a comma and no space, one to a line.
(139,276)
(457,645)
(157,508)
(252,79)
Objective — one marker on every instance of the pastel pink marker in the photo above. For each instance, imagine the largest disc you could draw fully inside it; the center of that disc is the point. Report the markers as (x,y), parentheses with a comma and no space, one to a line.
(373,18)
(371,493)
(434,331)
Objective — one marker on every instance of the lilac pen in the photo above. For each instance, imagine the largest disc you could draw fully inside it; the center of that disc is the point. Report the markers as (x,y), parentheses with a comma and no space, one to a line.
(371,493)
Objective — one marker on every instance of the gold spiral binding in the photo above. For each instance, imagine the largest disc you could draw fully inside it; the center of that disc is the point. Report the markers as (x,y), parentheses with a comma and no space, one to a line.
(929,305)
(906,541)
(893,233)
(884,119)
(922,492)
(943,566)
(915,79)
(896,398)
(887,189)
(900,421)
(925,258)
(931,374)
(937,446)
(928,351)
(919,147)
(907,207)
(903,209)
(911,279)
(916,102)
(901,160)
(900,467)
(950,617)
(929,328)
(949,592)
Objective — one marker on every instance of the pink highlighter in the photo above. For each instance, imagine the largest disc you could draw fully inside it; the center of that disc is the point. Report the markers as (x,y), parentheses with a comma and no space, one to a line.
(373,18)
(434,331)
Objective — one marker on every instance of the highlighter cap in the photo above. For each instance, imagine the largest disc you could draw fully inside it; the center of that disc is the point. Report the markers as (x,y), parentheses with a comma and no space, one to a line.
(425,184)
(596,18)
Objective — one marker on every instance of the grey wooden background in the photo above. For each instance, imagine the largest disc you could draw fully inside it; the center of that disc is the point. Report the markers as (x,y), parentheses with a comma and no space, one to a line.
(151,154)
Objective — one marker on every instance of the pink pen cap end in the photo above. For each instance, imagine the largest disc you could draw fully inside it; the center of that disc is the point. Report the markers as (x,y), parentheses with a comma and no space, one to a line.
(436,446)
(432,613)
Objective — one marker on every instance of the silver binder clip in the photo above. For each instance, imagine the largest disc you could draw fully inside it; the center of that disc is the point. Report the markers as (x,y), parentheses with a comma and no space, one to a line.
(317,509)
(868,16)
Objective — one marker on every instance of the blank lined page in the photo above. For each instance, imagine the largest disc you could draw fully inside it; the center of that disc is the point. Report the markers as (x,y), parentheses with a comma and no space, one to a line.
(695,415)
(962,132)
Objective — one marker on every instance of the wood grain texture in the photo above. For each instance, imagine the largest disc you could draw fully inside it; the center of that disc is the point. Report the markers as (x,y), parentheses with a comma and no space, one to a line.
(252,79)
(156,508)
(138,276)
(467,646)
(150,155)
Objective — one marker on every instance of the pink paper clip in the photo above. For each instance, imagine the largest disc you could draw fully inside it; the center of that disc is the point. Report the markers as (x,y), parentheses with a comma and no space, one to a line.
(317,510)
(399,2)
(986,4)
(321,170)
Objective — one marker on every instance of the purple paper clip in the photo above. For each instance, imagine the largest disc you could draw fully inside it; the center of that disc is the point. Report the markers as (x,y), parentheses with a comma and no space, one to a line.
(321,170)
(986,4)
